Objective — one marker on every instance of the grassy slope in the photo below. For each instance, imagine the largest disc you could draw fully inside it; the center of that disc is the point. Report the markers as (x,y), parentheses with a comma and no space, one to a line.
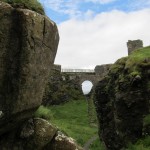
(73,120)
(138,58)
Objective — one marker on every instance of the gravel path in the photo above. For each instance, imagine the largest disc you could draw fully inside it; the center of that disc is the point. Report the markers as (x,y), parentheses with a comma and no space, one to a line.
(89,142)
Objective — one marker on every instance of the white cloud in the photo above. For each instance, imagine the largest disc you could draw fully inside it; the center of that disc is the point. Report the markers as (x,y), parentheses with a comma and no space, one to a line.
(138,4)
(69,7)
(102,39)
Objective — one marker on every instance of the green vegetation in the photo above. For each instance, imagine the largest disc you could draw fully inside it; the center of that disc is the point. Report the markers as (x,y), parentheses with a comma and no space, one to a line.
(44,112)
(72,119)
(143,144)
(97,145)
(29,4)
(146,120)
(138,58)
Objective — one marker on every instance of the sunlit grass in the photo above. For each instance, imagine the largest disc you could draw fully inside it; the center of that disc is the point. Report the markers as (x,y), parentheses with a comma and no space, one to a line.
(72,118)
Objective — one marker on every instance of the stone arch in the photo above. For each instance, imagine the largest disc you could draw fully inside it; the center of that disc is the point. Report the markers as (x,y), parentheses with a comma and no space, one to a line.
(88,78)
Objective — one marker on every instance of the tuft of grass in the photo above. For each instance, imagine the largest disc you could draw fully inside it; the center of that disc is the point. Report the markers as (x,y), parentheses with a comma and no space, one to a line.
(34,5)
(44,113)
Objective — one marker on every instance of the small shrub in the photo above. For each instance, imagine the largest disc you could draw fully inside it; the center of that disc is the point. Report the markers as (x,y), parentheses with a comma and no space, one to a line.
(34,5)
(44,112)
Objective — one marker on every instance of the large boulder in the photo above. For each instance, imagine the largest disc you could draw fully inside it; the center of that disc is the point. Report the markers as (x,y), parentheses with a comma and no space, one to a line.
(28,45)
(34,134)
(62,142)
(37,134)
(123,100)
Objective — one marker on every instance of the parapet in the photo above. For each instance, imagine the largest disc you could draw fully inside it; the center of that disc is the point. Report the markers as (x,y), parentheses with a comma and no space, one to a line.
(134,45)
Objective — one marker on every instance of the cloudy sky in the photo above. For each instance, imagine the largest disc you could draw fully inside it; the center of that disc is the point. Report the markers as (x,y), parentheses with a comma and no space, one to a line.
(95,32)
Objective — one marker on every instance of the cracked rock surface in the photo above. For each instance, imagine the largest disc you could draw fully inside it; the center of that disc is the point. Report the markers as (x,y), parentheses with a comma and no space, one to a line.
(28,45)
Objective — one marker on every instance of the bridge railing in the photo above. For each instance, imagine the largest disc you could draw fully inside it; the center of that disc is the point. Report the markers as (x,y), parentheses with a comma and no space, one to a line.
(77,70)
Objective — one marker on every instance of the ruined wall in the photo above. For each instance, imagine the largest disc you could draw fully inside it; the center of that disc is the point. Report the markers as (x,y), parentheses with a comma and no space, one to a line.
(134,45)
(102,69)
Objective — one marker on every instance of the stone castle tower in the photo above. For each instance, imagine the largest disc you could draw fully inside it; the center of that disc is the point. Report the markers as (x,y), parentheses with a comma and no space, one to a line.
(133,45)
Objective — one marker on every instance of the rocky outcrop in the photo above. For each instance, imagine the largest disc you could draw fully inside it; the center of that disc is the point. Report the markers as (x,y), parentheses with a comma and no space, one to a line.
(123,100)
(60,88)
(62,142)
(28,45)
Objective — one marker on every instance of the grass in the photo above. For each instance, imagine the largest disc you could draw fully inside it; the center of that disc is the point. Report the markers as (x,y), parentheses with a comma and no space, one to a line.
(72,118)
(138,57)
(34,5)
(44,113)
(97,145)
(143,144)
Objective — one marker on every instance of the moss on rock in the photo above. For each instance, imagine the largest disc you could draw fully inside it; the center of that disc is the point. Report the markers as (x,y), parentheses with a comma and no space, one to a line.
(123,99)
(34,5)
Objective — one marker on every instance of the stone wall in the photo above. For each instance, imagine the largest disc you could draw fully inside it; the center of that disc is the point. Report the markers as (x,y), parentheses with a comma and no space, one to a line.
(102,69)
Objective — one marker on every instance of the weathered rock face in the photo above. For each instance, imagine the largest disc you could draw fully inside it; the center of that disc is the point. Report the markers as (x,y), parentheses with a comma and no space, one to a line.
(123,100)
(33,135)
(28,45)
(62,142)
(37,134)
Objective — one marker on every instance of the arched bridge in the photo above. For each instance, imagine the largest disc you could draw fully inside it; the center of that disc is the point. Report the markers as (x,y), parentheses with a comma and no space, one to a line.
(86,74)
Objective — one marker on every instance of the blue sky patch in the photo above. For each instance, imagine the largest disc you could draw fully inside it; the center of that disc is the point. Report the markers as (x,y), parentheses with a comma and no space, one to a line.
(62,10)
